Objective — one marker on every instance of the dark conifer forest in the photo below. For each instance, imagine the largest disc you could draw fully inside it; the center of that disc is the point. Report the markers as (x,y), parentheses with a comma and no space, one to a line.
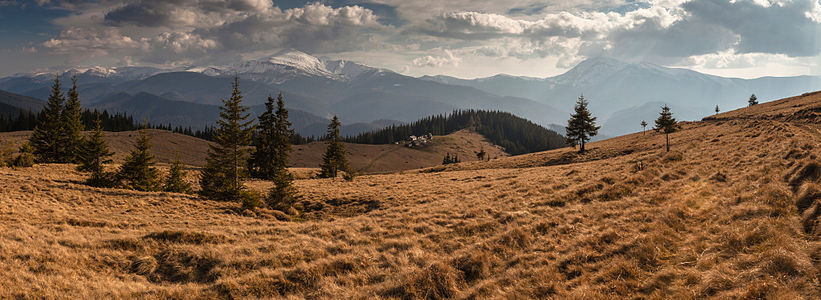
(517,135)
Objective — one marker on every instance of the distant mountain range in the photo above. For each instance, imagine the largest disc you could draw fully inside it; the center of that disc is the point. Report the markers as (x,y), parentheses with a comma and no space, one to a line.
(622,94)
(11,104)
(366,98)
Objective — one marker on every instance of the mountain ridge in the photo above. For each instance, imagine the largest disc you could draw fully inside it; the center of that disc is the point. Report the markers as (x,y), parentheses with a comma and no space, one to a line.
(358,93)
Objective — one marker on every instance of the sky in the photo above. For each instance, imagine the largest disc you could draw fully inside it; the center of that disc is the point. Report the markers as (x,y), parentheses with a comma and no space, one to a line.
(461,38)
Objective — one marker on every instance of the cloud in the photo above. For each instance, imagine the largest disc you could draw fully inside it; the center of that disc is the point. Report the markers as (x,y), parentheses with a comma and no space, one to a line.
(90,42)
(180,42)
(527,48)
(318,14)
(202,30)
(198,13)
(437,61)
(477,25)
(413,33)
(313,28)
(662,31)
(780,28)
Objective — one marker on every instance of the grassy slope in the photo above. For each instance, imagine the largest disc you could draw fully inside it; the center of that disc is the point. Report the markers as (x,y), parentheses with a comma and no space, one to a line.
(369,158)
(716,217)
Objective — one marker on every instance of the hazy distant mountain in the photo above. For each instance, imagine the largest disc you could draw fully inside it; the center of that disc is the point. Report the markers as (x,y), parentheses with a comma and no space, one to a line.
(160,110)
(11,104)
(611,85)
(628,120)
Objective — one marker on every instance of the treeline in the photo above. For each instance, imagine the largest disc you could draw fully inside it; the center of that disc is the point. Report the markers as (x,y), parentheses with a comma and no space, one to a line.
(517,135)
(27,120)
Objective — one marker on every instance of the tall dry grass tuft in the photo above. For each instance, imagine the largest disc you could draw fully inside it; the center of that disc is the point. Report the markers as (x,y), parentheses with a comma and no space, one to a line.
(435,281)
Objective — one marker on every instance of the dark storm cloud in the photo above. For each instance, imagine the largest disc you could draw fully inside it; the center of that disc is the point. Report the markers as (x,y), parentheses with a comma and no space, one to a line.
(149,14)
(780,28)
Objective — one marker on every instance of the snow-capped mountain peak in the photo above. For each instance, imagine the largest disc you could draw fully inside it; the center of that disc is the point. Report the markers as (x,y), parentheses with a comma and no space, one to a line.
(301,61)
(283,66)
(348,69)
(591,70)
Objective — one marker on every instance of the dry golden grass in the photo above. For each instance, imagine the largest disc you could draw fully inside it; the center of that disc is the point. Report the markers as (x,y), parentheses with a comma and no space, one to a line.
(731,212)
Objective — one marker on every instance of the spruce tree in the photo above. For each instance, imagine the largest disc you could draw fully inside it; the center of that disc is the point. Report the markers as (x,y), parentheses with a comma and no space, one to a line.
(93,155)
(273,142)
(717,110)
(334,159)
(47,138)
(138,171)
(643,126)
(666,123)
(753,100)
(581,125)
(72,118)
(174,182)
(222,176)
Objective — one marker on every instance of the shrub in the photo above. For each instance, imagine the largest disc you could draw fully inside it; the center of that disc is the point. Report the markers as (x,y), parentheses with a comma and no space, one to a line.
(350,174)
(102,179)
(174,182)
(250,200)
(5,155)
(26,156)
(283,194)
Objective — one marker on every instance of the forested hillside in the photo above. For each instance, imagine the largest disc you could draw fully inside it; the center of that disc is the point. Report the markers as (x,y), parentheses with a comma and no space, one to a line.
(517,135)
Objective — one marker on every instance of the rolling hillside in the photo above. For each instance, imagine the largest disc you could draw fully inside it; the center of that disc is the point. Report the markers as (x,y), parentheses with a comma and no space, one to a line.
(11,104)
(731,212)
(366,158)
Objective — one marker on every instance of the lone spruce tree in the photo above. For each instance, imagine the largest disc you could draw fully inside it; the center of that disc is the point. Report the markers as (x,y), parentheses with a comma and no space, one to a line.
(334,159)
(138,171)
(582,125)
(643,126)
(717,110)
(753,100)
(223,174)
(92,155)
(47,138)
(666,123)
(72,123)
(174,182)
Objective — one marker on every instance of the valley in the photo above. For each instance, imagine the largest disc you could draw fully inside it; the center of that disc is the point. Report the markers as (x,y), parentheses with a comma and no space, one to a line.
(732,211)
(363,157)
